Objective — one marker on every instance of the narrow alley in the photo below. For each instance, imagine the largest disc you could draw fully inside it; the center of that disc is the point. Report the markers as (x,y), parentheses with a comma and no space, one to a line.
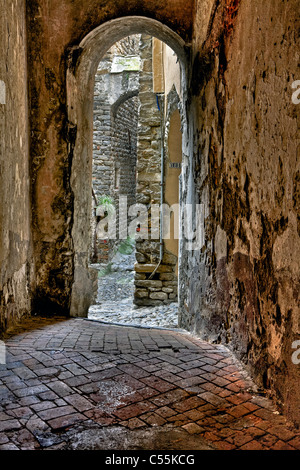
(149,225)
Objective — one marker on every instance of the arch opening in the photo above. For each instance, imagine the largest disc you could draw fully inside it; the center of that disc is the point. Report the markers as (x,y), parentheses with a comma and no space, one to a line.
(80,94)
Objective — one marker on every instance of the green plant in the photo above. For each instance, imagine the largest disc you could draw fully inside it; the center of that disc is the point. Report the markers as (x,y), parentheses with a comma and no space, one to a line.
(126,246)
(107,204)
(106,270)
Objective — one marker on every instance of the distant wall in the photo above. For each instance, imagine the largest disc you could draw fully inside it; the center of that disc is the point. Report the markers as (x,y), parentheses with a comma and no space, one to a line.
(115,136)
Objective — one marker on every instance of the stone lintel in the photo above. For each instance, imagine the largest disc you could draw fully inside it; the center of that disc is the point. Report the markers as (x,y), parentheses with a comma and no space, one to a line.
(149,268)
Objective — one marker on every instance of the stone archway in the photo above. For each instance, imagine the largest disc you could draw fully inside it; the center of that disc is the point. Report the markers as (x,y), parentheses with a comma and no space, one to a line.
(83,61)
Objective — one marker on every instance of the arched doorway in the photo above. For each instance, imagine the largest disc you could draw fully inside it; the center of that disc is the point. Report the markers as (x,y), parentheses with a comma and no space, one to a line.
(83,62)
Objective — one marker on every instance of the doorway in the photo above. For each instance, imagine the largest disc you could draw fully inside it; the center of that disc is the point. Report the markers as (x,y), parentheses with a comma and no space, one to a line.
(154,267)
(137,145)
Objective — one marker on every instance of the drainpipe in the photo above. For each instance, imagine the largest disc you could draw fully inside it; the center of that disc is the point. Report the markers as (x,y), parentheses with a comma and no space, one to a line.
(161,243)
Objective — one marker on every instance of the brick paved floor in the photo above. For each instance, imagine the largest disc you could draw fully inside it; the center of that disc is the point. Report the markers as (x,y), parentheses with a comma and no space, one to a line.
(79,384)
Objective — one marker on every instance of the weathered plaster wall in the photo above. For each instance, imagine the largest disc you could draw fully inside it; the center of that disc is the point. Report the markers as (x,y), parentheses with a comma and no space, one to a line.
(173,134)
(243,285)
(15,249)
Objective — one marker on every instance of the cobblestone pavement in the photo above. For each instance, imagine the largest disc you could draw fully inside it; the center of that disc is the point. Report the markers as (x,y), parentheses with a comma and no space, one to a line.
(115,298)
(81,385)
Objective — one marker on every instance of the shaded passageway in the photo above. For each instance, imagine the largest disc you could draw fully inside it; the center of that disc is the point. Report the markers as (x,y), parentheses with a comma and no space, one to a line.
(82,385)
(233,111)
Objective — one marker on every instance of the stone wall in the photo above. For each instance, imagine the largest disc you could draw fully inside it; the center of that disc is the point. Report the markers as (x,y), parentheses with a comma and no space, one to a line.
(242,286)
(127,149)
(124,149)
(16,266)
(155,279)
(112,88)
(122,158)
(114,136)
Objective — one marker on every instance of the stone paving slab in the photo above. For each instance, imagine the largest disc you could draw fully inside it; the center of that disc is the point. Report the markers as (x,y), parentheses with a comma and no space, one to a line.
(69,378)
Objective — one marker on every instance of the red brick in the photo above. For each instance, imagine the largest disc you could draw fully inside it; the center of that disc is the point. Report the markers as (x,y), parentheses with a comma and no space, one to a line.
(66,421)
(224,393)
(148,392)
(130,381)
(9,425)
(253,445)
(239,438)
(250,406)
(52,413)
(190,373)
(135,423)
(23,412)
(235,399)
(158,384)
(238,411)
(100,417)
(225,432)
(281,432)
(255,432)
(224,445)
(211,398)
(280,445)
(193,428)
(169,397)
(153,419)
(179,418)
(79,402)
(268,440)
(221,381)
(295,442)
(166,412)
(211,436)
(133,370)
(188,404)
(195,415)
(233,387)
(132,411)
(190,381)
(206,421)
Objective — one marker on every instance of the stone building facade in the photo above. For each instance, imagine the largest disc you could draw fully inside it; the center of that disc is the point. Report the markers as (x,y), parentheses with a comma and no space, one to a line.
(132,111)
(156,277)
(116,108)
